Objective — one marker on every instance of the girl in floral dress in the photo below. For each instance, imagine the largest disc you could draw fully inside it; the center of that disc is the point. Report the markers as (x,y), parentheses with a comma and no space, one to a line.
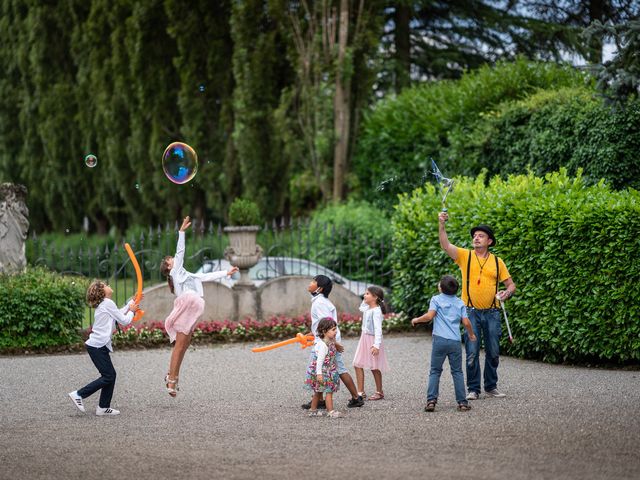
(322,372)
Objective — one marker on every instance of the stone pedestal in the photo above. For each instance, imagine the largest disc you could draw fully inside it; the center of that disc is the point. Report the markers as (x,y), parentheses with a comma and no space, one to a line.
(14,225)
(243,252)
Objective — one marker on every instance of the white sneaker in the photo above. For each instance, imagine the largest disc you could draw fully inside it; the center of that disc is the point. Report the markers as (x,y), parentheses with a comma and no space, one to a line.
(106,411)
(473,396)
(496,394)
(77,400)
(335,414)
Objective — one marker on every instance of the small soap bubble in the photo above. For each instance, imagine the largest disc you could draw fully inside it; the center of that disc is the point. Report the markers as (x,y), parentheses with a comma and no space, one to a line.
(91,160)
(180,162)
(201,87)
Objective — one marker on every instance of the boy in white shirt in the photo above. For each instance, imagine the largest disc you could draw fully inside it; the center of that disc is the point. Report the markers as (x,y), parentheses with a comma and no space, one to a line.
(99,346)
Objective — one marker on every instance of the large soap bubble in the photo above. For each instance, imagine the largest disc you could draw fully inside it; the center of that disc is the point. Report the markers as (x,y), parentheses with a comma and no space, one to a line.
(180,162)
(91,160)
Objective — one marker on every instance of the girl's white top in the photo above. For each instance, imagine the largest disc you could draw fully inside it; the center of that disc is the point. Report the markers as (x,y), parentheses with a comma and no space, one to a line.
(184,281)
(372,322)
(106,316)
(321,350)
(321,307)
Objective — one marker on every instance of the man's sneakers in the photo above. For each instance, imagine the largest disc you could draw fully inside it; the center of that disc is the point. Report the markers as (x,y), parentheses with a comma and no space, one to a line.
(356,402)
(321,405)
(106,411)
(495,393)
(77,400)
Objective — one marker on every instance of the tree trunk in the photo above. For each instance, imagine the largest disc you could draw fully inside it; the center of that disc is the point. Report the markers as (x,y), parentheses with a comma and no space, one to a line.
(596,12)
(402,40)
(341,107)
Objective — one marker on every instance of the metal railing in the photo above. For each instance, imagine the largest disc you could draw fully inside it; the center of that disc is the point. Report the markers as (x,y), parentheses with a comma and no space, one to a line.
(291,247)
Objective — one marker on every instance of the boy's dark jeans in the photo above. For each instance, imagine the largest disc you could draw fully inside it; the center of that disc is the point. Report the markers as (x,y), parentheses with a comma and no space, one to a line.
(102,360)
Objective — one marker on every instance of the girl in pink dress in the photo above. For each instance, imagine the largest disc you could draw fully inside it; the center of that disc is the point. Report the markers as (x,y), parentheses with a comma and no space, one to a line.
(370,353)
(187,307)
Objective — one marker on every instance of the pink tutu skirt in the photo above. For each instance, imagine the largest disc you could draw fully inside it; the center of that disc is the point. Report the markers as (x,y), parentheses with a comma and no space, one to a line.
(363,357)
(187,309)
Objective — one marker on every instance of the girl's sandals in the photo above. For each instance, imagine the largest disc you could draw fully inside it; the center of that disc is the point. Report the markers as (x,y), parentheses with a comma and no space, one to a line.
(376,396)
(463,407)
(172,385)
(431,406)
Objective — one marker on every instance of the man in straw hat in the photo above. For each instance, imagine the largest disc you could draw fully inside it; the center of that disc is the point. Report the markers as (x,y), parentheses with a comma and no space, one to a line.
(482,272)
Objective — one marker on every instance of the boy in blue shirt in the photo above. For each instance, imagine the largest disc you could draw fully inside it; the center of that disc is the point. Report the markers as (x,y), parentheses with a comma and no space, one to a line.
(447,310)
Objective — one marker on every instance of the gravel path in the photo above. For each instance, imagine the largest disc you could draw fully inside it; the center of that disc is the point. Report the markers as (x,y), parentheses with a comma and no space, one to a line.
(238,416)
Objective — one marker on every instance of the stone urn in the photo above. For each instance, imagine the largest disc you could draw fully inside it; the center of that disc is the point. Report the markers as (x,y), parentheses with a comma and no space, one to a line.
(243,251)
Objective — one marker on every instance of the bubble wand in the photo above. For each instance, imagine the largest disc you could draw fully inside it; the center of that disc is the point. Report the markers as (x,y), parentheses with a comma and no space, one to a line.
(138,315)
(445,184)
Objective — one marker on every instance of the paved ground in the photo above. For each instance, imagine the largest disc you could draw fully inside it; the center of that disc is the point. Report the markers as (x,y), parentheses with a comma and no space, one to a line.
(238,416)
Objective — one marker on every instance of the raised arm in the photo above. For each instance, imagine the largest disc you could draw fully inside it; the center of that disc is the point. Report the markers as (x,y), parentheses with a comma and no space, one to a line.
(124,315)
(427,317)
(178,259)
(448,247)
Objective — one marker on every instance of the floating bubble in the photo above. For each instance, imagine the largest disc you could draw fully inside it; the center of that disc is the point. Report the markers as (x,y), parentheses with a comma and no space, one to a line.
(137,186)
(180,162)
(91,160)
(201,87)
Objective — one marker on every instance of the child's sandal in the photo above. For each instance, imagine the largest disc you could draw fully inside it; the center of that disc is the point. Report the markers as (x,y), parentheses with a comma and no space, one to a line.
(377,396)
(172,385)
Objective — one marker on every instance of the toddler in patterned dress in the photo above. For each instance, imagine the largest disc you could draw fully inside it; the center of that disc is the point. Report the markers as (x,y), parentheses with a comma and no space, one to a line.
(322,372)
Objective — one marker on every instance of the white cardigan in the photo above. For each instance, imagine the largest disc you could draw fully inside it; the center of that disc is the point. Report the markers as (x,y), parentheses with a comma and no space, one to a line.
(372,323)
(186,281)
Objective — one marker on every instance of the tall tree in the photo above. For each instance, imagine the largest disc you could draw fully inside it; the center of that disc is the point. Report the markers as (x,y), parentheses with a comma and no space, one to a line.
(582,13)
(333,41)
(203,64)
(261,72)
(619,78)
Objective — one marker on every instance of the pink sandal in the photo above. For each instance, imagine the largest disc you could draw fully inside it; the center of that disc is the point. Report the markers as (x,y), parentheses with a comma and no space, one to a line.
(376,396)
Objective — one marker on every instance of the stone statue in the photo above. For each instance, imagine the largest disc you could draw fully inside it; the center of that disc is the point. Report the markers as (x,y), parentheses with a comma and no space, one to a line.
(14,225)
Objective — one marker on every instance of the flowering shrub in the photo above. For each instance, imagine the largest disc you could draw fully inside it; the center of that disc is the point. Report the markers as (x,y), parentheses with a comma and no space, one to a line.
(278,327)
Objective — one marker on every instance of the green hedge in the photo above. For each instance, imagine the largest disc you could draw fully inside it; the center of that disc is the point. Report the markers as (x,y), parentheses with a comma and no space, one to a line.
(571,248)
(569,128)
(354,238)
(40,309)
(401,134)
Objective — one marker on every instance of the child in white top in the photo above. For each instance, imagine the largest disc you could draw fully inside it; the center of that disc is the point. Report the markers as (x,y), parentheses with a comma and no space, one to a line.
(370,353)
(322,373)
(187,307)
(99,346)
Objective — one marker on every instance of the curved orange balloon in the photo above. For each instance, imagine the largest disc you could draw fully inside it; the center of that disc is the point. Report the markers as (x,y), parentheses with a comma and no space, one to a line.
(304,340)
(138,315)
